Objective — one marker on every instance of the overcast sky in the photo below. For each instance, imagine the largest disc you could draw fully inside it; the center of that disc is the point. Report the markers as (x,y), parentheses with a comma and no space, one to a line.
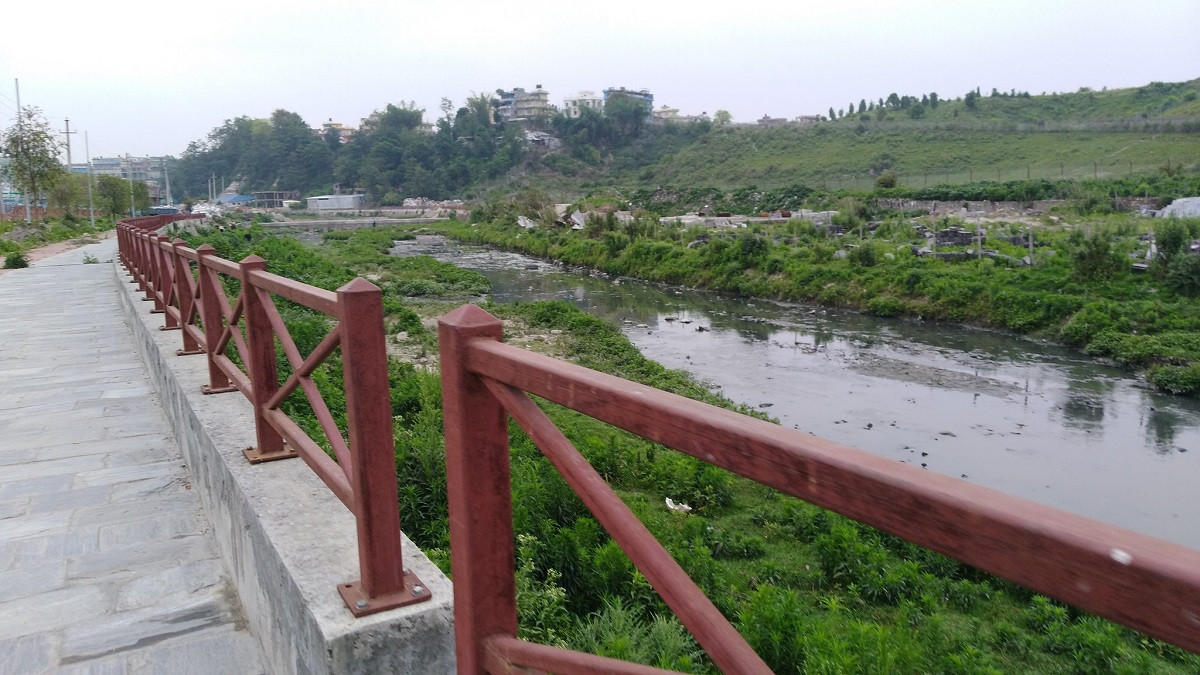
(147,77)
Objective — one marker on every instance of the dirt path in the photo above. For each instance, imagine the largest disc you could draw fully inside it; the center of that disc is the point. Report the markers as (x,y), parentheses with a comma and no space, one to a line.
(42,252)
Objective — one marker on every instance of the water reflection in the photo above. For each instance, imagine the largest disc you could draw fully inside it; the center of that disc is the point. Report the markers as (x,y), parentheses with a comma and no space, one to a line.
(1018,415)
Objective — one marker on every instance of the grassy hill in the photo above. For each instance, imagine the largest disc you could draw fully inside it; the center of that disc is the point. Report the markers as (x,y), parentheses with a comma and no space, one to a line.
(993,137)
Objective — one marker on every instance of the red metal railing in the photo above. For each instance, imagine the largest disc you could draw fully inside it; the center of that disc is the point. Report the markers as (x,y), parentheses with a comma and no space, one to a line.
(1147,584)
(185,285)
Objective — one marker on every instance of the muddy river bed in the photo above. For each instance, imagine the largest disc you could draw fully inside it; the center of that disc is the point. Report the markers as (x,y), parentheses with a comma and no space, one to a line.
(1018,415)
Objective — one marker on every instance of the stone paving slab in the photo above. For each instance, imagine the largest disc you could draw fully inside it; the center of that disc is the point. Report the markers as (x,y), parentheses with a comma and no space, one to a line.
(107,561)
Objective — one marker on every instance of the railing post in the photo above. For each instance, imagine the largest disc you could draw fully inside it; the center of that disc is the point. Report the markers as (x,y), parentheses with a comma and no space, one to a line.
(149,283)
(162,274)
(185,288)
(372,473)
(262,368)
(167,283)
(211,317)
(479,491)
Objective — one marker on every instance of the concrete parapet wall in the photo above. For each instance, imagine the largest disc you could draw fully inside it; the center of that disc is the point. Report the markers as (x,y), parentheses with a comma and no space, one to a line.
(286,539)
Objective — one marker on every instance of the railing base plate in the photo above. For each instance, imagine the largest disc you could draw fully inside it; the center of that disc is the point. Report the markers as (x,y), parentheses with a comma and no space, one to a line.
(167,327)
(206,390)
(189,352)
(360,605)
(255,457)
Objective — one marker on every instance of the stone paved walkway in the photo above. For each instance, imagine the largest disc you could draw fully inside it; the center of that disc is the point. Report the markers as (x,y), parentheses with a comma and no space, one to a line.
(107,564)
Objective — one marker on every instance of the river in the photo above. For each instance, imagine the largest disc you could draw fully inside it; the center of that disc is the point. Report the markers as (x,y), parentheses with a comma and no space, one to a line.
(1022,416)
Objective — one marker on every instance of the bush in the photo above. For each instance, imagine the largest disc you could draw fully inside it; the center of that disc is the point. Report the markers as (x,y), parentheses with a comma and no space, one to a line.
(885,305)
(15,261)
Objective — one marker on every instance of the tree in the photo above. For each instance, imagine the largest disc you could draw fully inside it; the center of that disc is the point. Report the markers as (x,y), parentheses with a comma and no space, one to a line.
(971,99)
(832,114)
(68,191)
(862,106)
(933,100)
(32,148)
(112,194)
(722,118)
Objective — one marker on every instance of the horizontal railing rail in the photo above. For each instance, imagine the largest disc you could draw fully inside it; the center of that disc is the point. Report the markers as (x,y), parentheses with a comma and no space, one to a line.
(1144,583)
(242,339)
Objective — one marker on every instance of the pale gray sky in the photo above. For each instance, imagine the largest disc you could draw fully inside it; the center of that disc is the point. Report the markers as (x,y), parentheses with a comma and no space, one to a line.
(147,77)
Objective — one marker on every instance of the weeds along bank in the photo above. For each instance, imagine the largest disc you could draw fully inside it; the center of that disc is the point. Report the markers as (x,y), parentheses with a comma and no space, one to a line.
(18,237)
(811,591)
(1082,288)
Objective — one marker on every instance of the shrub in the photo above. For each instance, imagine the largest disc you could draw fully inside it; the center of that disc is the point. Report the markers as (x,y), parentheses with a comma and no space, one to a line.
(15,261)
(885,305)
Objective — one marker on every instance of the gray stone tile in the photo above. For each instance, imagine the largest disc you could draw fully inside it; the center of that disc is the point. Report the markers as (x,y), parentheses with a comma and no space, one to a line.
(47,576)
(117,665)
(150,487)
(51,611)
(73,543)
(149,509)
(182,581)
(34,525)
(70,499)
(128,474)
(11,508)
(28,487)
(222,650)
(119,632)
(140,556)
(166,527)
(52,468)
(28,654)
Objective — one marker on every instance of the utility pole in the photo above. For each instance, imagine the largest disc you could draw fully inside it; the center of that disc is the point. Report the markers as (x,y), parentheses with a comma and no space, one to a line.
(68,133)
(129,159)
(91,206)
(20,132)
(167,178)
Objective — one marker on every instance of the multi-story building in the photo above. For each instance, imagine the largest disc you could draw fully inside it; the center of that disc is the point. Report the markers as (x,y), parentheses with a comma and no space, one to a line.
(519,104)
(586,99)
(642,96)
(150,170)
(666,114)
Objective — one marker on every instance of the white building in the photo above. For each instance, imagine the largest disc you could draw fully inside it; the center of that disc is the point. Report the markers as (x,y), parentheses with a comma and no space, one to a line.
(573,107)
(333,202)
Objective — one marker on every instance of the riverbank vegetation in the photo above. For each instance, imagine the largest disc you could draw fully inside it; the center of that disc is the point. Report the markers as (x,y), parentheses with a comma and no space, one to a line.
(810,590)
(1082,288)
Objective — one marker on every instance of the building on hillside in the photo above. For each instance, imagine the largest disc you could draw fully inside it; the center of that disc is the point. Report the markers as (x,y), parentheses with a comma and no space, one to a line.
(768,122)
(586,99)
(642,96)
(344,133)
(334,202)
(665,113)
(520,105)
(807,119)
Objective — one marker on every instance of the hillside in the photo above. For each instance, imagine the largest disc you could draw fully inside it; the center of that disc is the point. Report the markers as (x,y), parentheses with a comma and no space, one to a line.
(924,139)
(1002,137)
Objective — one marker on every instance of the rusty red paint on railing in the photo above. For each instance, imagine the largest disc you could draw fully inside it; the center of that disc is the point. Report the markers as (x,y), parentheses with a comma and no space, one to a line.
(1139,581)
(185,285)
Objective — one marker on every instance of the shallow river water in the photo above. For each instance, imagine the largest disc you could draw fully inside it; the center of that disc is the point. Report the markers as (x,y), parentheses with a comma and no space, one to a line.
(1018,415)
